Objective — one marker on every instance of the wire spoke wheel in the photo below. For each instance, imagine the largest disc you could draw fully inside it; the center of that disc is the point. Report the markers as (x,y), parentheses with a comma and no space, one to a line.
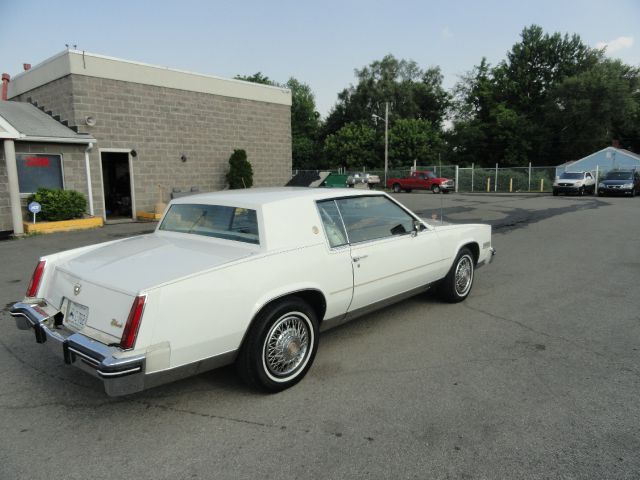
(287,345)
(463,275)
(455,287)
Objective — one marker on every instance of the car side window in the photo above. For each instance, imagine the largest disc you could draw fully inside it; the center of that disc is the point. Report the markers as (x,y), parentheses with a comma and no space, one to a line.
(374,217)
(332,223)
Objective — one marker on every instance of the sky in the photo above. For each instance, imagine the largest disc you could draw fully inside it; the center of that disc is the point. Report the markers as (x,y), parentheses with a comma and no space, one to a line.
(319,43)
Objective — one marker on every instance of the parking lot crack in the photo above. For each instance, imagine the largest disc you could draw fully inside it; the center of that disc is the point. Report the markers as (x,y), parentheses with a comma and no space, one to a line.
(579,345)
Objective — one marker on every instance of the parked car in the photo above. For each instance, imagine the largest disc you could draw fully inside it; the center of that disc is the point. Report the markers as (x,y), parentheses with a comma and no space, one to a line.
(421,180)
(245,276)
(574,182)
(363,178)
(620,182)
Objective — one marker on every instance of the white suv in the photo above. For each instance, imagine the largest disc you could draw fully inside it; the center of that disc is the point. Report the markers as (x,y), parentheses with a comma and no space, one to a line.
(575,182)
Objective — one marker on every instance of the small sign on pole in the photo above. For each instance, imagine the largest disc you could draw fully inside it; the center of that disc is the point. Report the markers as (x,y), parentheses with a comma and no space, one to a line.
(34,207)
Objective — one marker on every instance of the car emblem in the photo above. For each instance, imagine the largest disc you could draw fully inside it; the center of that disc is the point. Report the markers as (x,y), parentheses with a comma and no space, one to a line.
(115,323)
(76,289)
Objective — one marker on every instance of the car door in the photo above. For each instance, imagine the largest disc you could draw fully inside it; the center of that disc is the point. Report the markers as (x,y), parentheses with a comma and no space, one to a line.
(337,266)
(389,257)
(588,179)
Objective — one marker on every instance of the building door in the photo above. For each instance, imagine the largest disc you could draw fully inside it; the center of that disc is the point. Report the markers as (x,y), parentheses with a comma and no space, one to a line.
(117,185)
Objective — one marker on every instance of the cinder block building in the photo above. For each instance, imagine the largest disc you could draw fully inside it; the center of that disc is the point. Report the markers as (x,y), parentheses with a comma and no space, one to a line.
(143,131)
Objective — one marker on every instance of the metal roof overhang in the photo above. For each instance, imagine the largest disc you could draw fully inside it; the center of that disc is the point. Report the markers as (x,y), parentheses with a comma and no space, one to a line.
(81,141)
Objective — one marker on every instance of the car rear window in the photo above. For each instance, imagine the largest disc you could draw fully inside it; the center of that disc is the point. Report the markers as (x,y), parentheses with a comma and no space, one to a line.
(229,223)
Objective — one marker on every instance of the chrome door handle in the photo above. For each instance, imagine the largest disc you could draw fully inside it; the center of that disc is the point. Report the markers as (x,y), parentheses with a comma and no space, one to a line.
(361,257)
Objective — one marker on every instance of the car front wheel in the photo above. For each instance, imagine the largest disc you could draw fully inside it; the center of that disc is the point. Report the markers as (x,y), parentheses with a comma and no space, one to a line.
(280,346)
(435,189)
(455,287)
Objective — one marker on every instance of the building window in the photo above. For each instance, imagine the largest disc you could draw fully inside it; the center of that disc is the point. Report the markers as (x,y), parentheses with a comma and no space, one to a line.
(36,171)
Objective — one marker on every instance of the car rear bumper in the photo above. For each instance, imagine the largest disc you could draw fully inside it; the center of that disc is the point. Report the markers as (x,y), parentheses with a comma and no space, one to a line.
(120,374)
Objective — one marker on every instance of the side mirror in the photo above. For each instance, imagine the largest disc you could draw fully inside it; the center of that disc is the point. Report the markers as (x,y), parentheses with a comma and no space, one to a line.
(417,227)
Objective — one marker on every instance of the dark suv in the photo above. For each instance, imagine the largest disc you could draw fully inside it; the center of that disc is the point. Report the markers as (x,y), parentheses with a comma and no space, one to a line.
(620,182)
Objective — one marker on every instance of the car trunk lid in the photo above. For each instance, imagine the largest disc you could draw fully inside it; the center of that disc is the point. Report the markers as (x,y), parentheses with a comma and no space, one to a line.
(96,290)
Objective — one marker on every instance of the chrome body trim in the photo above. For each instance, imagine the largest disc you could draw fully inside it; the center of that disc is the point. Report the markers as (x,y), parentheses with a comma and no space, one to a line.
(333,322)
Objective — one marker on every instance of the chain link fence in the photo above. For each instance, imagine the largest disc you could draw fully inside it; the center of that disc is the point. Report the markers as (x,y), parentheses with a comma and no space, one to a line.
(476,179)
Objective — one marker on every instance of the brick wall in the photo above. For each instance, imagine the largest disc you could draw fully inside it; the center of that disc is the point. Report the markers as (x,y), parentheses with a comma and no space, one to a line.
(56,96)
(162,124)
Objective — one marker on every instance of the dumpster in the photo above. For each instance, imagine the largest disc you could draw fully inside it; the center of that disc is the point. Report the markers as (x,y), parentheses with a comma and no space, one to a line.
(335,180)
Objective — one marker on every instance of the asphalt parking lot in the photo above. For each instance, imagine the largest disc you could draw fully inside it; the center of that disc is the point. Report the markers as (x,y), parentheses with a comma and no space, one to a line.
(535,375)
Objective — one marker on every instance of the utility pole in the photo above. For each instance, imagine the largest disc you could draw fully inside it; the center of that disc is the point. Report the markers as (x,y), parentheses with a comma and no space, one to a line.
(386,141)
(386,138)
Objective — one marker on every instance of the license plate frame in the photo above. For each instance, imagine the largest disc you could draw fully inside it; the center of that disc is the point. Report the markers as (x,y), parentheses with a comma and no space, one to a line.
(76,315)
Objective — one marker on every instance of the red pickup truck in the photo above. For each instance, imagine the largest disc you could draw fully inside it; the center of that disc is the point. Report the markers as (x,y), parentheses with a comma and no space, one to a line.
(421,180)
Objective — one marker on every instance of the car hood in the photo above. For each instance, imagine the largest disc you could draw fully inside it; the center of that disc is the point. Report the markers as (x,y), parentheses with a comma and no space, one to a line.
(139,263)
(571,181)
(616,182)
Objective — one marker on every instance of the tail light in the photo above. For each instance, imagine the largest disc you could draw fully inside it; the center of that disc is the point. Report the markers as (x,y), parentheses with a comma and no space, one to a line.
(32,290)
(130,332)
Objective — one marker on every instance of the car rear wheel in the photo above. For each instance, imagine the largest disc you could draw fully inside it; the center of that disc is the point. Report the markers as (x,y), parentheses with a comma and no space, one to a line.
(396,187)
(455,287)
(435,189)
(280,346)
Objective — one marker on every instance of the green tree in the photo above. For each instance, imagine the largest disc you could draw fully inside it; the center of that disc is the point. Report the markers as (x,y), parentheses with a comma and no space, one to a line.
(512,113)
(305,120)
(240,172)
(411,92)
(257,77)
(305,126)
(588,110)
(353,146)
(413,139)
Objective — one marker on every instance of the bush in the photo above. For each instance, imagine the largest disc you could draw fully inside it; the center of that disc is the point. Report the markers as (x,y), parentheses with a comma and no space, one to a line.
(59,204)
(240,172)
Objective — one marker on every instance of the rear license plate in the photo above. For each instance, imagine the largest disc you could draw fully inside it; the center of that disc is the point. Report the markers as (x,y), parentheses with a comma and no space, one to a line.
(76,316)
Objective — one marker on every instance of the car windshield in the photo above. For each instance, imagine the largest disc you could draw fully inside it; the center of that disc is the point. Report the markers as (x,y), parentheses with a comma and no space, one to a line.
(229,223)
(431,175)
(619,176)
(571,176)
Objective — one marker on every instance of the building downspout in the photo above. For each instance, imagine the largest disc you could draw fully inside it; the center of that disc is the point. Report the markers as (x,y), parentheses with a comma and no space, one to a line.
(14,187)
(88,168)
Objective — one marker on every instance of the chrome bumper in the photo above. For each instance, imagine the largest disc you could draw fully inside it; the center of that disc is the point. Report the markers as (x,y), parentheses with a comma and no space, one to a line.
(121,375)
(488,259)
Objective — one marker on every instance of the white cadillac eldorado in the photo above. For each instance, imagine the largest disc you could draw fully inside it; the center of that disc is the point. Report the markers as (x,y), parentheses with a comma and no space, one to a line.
(245,276)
